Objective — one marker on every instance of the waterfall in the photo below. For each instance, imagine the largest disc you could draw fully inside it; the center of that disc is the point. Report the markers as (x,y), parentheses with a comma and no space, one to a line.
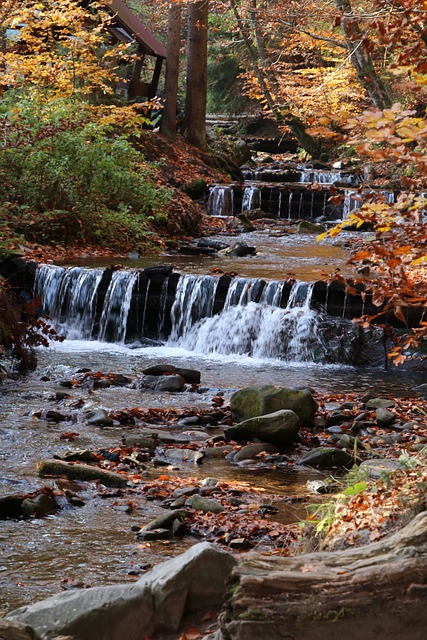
(69,295)
(321,177)
(194,299)
(220,201)
(354,199)
(261,330)
(251,199)
(114,317)
(203,314)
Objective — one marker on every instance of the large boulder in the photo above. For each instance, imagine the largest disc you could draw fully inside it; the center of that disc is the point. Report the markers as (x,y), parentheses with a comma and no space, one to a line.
(193,581)
(280,427)
(257,401)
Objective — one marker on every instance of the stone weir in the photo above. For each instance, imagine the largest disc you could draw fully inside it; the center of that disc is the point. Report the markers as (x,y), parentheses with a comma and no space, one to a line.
(156,303)
(290,201)
(292,321)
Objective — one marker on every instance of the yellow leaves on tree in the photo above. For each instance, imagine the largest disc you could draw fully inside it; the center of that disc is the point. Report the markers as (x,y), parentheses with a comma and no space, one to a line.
(60,49)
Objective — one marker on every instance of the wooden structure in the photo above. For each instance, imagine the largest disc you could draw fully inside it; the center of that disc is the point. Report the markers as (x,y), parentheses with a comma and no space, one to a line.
(125,26)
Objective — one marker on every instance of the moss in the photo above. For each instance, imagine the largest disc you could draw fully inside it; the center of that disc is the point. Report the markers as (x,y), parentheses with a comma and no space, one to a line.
(255,615)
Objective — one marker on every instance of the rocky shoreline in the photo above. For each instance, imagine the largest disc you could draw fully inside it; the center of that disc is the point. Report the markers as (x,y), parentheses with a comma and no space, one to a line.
(264,427)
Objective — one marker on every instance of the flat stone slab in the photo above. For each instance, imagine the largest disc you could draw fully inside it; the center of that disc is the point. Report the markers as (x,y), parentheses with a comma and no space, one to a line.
(193,581)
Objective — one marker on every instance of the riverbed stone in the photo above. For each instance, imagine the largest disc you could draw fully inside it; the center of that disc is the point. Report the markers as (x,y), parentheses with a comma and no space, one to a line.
(39,506)
(306,226)
(250,451)
(100,418)
(191,376)
(379,403)
(326,458)
(174,382)
(257,401)
(184,455)
(206,505)
(159,370)
(280,428)
(80,472)
(192,582)
(238,249)
(10,630)
(377,467)
(385,418)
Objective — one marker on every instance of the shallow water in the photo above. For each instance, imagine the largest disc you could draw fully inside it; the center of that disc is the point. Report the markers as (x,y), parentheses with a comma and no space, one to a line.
(94,543)
(278,257)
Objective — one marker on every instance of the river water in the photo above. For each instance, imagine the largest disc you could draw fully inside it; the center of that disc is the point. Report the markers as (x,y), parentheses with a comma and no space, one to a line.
(94,543)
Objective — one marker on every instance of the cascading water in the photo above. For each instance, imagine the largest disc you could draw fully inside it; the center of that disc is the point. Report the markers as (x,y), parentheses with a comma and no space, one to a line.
(220,201)
(251,199)
(194,299)
(69,296)
(261,330)
(202,314)
(114,317)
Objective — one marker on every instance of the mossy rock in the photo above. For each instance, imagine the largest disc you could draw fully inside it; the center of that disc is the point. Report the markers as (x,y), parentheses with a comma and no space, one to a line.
(258,401)
(80,472)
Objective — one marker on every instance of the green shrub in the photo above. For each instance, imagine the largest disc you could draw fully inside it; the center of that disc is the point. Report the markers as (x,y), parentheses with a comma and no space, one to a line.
(69,179)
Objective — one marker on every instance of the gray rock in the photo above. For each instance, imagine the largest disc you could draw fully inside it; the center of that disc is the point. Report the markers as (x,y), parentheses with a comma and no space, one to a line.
(193,581)
(100,418)
(191,376)
(280,427)
(257,401)
(184,455)
(378,467)
(217,452)
(206,505)
(238,249)
(164,521)
(174,382)
(39,506)
(305,226)
(377,403)
(385,418)
(252,450)
(159,370)
(325,458)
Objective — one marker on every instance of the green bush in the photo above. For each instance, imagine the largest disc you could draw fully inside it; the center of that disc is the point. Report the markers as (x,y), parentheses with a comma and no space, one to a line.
(66,178)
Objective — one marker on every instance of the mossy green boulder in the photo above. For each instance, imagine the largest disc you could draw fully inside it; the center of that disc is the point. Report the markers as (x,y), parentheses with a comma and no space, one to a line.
(280,428)
(257,401)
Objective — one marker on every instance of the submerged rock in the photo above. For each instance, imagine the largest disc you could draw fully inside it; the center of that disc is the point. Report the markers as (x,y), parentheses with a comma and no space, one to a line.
(80,472)
(257,401)
(238,250)
(184,455)
(39,506)
(326,457)
(280,427)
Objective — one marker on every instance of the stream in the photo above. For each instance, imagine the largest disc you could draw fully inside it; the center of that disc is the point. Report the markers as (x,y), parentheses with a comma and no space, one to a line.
(94,543)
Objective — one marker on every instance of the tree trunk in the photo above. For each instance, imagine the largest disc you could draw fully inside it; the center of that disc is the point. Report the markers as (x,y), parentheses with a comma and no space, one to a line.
(196,86)
(361,59)
(372,592)
(168,121)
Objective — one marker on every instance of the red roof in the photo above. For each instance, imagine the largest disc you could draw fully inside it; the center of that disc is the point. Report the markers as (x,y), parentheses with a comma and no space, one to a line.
(129,21)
